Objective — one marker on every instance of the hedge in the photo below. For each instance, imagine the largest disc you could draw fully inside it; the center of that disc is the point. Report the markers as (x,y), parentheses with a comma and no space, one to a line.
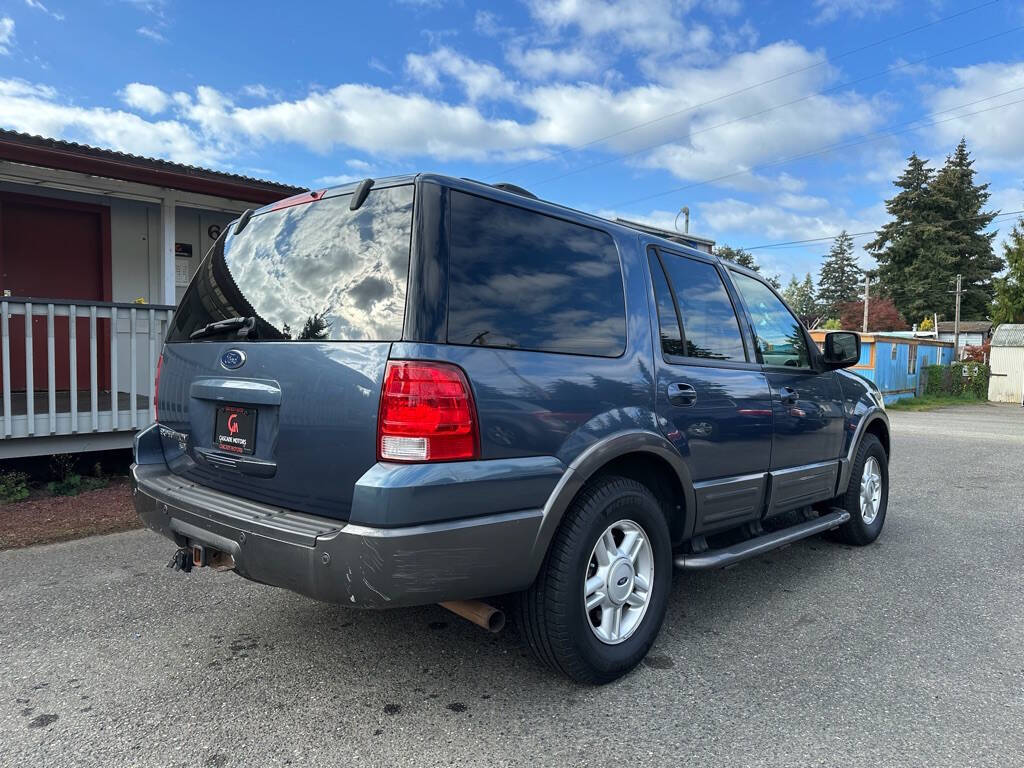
(951,380)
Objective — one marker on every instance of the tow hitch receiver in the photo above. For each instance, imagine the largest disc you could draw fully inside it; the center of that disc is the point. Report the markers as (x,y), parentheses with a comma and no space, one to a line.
(199,556)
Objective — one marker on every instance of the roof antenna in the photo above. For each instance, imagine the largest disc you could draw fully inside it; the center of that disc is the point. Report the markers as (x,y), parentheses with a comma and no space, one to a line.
(686,222)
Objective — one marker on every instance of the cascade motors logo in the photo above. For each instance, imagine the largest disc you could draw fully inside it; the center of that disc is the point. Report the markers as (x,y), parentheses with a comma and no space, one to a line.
(232,359)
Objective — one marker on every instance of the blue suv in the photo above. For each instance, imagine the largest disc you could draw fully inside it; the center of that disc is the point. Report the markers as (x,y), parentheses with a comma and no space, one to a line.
(427,389)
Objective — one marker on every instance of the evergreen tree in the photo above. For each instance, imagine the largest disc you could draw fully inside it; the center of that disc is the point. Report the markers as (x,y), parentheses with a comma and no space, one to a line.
(744,259)
(316,327)
(800,297)
(1008,306)
(907,248)
(840,276)
(965,248)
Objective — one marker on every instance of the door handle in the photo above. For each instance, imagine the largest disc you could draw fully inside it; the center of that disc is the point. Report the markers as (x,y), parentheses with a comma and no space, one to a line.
(680,393)
(789,395)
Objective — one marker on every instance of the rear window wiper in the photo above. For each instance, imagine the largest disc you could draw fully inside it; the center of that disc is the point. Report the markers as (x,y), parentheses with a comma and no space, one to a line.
(244,325)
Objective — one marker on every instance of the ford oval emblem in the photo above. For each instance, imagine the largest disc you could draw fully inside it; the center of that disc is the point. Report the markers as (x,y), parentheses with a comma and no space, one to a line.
(233,358)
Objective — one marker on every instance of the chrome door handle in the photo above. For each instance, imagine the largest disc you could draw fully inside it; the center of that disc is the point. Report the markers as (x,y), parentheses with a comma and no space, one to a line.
(680,393)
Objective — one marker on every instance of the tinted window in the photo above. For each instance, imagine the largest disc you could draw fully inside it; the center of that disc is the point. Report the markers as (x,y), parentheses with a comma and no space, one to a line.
(778,334)
(523,280)
(315,271)
(668,320)
(710,328)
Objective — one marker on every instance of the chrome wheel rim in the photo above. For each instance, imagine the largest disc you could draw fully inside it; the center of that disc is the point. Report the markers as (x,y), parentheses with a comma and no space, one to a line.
(870,491)
(618,581)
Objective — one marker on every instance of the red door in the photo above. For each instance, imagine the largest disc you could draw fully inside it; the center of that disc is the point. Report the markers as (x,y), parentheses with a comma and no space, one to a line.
(53,249)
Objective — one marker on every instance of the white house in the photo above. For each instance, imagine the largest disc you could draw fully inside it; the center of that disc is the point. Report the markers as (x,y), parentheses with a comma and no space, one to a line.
(973,333)
(96,247)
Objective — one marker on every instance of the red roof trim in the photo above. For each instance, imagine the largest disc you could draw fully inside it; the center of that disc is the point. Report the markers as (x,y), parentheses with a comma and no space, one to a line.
(49,153)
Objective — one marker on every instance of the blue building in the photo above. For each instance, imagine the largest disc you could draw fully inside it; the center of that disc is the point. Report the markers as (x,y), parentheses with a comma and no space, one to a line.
(894,361)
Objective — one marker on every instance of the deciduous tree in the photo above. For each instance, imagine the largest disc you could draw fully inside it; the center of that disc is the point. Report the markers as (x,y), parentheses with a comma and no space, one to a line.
(1008,306)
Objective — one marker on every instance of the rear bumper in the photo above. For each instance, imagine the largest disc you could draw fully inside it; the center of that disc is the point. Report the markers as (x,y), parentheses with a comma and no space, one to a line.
(340,562)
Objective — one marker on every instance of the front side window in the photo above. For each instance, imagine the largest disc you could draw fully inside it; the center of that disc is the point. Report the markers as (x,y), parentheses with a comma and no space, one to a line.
(310,272)
(520,279)
(710,328)
(779,336)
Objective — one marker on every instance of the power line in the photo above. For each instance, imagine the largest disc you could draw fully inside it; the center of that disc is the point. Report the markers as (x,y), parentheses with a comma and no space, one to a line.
(794,243)
(865,139)
(745,89)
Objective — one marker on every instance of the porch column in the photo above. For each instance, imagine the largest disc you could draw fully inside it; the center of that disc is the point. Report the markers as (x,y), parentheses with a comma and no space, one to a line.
(167,208)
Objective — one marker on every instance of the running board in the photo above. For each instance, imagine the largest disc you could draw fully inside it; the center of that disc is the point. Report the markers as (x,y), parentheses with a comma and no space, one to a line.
(722,558)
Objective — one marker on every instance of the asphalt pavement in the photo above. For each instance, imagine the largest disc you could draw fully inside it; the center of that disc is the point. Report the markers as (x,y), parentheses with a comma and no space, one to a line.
(907,652)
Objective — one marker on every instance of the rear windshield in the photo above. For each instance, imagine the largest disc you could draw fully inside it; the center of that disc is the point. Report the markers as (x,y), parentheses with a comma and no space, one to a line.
(310,272)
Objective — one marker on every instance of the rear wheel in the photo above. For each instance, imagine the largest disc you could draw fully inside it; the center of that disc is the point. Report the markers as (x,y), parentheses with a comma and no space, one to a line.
(867,495)
(600,599)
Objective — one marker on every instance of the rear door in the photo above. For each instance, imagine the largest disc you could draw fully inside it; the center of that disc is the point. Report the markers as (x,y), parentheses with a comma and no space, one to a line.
(279,402)
(712,397)
(807,400)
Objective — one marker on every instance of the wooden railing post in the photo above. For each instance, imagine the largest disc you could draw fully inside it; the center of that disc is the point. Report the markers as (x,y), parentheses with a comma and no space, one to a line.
(30,385)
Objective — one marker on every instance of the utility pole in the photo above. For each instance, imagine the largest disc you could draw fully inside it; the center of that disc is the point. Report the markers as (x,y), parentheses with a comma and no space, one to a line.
(867,299)
(956,318)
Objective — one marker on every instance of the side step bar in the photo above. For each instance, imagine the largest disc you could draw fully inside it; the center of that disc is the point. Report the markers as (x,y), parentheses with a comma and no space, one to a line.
(722,558)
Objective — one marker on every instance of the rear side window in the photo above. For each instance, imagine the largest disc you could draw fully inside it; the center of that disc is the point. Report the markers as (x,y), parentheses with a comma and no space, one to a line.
(311,272)
(523,280)
(710,328)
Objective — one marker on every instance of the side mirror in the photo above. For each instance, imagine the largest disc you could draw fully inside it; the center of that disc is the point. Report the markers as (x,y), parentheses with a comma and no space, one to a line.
(842,349)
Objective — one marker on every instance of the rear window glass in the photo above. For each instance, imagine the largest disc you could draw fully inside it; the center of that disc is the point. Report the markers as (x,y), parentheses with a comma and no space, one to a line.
(311,272)
(523,280)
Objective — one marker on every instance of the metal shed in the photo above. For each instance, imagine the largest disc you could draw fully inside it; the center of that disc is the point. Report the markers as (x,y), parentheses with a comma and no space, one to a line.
(1006,384)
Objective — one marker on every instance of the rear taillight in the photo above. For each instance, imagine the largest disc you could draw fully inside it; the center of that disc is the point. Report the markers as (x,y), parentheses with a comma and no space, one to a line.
(156,388)
(426,413)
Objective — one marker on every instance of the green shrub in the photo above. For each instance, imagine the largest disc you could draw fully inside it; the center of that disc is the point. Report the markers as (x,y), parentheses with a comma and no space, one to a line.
(74,484)
(950,380)
(13,486)
(938,382)
(973,383)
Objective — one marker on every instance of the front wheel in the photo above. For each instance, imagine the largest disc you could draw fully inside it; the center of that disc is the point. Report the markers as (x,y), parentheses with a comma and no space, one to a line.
(867,495)
(600,598)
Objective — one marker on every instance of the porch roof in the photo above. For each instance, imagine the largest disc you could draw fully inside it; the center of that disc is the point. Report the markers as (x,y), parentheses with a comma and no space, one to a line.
(65,155)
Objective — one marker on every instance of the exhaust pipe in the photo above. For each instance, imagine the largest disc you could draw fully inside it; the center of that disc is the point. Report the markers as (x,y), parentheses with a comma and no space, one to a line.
(483,615)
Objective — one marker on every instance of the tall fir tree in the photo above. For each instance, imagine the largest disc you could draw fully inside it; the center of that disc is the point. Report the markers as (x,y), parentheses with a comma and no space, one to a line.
(744,259)
(839,277)
(800,296)
(965,248)
(908,247)
(1008,306)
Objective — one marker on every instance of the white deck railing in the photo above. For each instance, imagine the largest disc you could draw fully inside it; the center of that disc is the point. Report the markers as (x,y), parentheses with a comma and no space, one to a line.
(43,408)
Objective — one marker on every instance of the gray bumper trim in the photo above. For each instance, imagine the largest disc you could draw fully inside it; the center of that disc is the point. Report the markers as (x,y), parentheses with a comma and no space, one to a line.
(349,564)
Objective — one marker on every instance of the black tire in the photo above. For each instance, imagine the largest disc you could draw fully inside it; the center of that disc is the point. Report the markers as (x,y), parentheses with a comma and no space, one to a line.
(551,612)
(855,531)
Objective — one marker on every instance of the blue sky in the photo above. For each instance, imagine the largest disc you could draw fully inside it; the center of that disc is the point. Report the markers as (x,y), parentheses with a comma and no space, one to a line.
(548,94)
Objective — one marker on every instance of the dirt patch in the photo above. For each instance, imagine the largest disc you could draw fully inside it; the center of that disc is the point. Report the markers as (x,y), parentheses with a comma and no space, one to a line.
(43,520)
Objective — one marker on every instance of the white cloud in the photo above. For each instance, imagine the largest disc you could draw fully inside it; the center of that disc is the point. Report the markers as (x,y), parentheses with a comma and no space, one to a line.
(543,63)
(259,91)
(832,10)
(147,98)
(486,23)
(478,80)
(995,136)
(152,34)
(6,35)
(802,202)
(645,25)
(37,109)
(40,7)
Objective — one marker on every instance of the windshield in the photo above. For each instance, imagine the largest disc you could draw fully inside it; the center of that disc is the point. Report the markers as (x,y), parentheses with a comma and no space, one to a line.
(315,271)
